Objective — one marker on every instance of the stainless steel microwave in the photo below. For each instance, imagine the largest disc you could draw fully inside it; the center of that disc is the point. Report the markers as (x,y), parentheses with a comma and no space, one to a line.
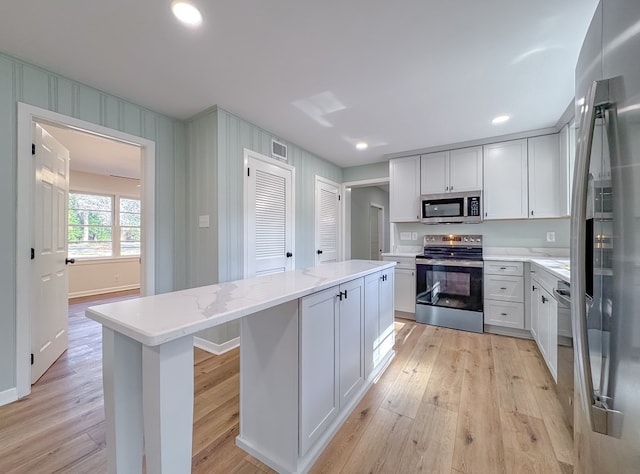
(451,208)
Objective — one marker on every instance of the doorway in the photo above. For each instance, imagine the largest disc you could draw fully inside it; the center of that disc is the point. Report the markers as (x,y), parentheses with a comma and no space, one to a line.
(360,216)
(376,231)
(27,116)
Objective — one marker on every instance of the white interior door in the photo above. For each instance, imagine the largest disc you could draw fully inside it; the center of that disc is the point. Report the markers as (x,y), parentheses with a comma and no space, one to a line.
(376,231)
(327,217)
(269,209)
(50,280)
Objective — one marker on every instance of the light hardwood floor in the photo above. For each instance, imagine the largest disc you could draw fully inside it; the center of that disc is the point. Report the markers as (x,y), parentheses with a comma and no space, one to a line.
(450,402)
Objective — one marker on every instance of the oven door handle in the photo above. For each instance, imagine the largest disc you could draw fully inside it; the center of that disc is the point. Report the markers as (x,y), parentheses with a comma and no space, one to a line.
(449,263)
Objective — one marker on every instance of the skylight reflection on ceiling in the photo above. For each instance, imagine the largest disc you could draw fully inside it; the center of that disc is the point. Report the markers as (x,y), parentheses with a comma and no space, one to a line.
(319,105)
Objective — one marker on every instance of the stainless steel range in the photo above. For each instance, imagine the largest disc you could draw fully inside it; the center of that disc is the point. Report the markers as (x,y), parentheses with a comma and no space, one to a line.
(449,282)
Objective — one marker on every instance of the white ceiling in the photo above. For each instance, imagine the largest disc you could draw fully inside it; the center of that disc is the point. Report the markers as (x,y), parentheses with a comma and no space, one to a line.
(95,154)
(401,75)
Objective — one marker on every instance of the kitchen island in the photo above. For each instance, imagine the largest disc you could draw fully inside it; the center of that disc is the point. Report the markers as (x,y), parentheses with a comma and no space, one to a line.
(311,343)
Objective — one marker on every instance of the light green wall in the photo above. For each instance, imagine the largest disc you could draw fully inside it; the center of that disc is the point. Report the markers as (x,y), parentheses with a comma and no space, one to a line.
(361,199)
(22,82)
(362,172)
(508,233)
(217,140)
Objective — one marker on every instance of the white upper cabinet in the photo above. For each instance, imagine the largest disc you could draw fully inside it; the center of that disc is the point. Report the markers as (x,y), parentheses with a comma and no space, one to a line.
(465,169)
(547,196)
(505,180)
(434,173)
(451,171)
(404,189)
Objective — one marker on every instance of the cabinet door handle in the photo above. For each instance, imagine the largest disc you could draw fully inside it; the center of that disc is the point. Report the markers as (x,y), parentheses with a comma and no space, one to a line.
(503,314)
(531,212)
(533,288)
(502,288)
(486,214)
(446,188)
(342,294)
(544,300)
(503,268)
(451,188)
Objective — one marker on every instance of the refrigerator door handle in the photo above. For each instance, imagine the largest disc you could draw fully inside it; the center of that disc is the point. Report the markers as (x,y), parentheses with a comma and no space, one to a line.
(601,418)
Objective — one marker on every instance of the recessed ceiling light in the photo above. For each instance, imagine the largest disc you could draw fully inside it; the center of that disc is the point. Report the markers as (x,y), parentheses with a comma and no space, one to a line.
(362,145)
(500,119)
(186,12)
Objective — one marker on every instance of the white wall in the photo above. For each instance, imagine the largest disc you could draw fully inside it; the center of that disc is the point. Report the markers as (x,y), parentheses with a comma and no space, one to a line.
(103,275)
(531,233)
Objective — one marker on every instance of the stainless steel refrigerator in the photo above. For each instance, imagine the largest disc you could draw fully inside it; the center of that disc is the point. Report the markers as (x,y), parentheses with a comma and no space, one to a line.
(605,243)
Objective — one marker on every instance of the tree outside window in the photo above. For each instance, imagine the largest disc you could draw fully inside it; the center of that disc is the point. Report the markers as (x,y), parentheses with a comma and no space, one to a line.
(95,230)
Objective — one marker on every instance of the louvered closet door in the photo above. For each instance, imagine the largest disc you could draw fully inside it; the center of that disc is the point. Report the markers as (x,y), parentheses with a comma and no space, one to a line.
(270,219)
(327,220)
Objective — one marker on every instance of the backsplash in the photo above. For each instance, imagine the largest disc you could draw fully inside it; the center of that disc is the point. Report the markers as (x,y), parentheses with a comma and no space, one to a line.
(530,233)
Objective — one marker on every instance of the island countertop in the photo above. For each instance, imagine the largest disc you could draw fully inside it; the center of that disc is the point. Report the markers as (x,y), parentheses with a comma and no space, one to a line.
(154,320)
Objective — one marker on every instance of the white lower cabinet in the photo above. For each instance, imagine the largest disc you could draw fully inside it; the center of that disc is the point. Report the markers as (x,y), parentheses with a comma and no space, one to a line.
(544,317)
(350,337)
(319,393)
(405,284)
(378,322)
(504,294)
(331,365)
(346,332)
(305,362)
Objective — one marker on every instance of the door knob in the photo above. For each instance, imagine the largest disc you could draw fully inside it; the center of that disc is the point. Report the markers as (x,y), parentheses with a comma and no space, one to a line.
(289,255)
(319,252)
(67,261)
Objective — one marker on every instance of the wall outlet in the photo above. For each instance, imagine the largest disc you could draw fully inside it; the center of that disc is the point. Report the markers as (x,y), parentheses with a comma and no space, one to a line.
(551,236)
(414,236)
(405,235)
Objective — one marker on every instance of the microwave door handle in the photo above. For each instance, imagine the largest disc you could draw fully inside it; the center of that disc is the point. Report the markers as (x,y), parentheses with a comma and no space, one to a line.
(600,418)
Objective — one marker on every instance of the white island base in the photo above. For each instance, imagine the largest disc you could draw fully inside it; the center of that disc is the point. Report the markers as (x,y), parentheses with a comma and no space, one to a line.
(274,384)
(312,342)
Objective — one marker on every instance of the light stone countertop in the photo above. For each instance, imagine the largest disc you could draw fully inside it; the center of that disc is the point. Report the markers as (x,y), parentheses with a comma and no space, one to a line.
(154,320)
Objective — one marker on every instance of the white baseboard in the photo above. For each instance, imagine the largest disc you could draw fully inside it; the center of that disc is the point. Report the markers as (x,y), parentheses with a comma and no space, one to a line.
(504,331)
(8,396)
(101,291)
(214,348)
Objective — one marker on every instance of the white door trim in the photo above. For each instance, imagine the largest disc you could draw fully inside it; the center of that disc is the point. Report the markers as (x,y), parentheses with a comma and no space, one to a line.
(380,227)
(27,114)
(255,155)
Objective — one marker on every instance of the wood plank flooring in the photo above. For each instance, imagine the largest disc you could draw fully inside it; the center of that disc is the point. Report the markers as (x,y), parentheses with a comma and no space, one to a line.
(450,402)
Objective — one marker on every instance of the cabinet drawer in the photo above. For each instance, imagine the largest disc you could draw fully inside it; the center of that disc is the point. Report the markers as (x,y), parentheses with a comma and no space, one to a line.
(503,268)
(408,263)
(504,288)
(502,313)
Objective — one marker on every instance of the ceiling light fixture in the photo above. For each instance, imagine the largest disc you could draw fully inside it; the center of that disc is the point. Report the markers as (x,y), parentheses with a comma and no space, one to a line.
(362,145)
(500,119)
(186,12)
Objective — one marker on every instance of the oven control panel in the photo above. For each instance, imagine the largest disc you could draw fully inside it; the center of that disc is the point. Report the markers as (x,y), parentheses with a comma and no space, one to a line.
(452,240)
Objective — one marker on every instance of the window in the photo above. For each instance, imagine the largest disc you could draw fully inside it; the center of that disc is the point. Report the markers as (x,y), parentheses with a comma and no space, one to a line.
(129,220)
(96,230)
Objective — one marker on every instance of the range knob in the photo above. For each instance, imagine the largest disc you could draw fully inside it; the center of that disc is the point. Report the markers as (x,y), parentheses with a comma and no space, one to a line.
(478,240)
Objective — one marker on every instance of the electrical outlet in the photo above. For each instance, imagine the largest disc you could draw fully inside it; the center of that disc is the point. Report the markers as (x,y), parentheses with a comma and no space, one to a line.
(405,235)
(551,236)
(414,236)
